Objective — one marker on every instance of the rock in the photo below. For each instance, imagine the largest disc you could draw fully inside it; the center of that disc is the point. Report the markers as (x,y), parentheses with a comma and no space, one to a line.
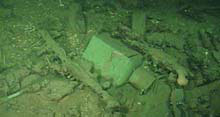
(3,88)
(112,58)
(29,80)
(14,76)
(73,112)
(194,96)
(13,83)
(155,103)
(31,83)
(58,89)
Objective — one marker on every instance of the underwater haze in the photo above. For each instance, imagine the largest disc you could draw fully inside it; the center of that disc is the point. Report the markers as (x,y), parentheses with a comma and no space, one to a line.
(109,58)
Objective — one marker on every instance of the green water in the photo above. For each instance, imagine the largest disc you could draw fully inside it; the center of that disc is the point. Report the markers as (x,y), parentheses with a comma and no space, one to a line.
(43,72)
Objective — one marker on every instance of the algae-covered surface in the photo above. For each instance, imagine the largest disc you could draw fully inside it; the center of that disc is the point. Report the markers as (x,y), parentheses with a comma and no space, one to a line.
(50,62)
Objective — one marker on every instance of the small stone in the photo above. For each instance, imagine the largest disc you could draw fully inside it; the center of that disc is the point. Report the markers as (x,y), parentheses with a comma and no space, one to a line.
(106,85)
(182,81)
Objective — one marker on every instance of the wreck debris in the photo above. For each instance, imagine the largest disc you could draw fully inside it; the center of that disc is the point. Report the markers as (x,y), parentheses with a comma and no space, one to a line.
(14,95)
(113,59)
(78,71)
(202,99)
(29,85)
(170,63)
(142,78)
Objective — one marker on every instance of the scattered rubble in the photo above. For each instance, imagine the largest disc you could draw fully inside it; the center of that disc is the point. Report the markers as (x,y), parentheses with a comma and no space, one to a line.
(109,58)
